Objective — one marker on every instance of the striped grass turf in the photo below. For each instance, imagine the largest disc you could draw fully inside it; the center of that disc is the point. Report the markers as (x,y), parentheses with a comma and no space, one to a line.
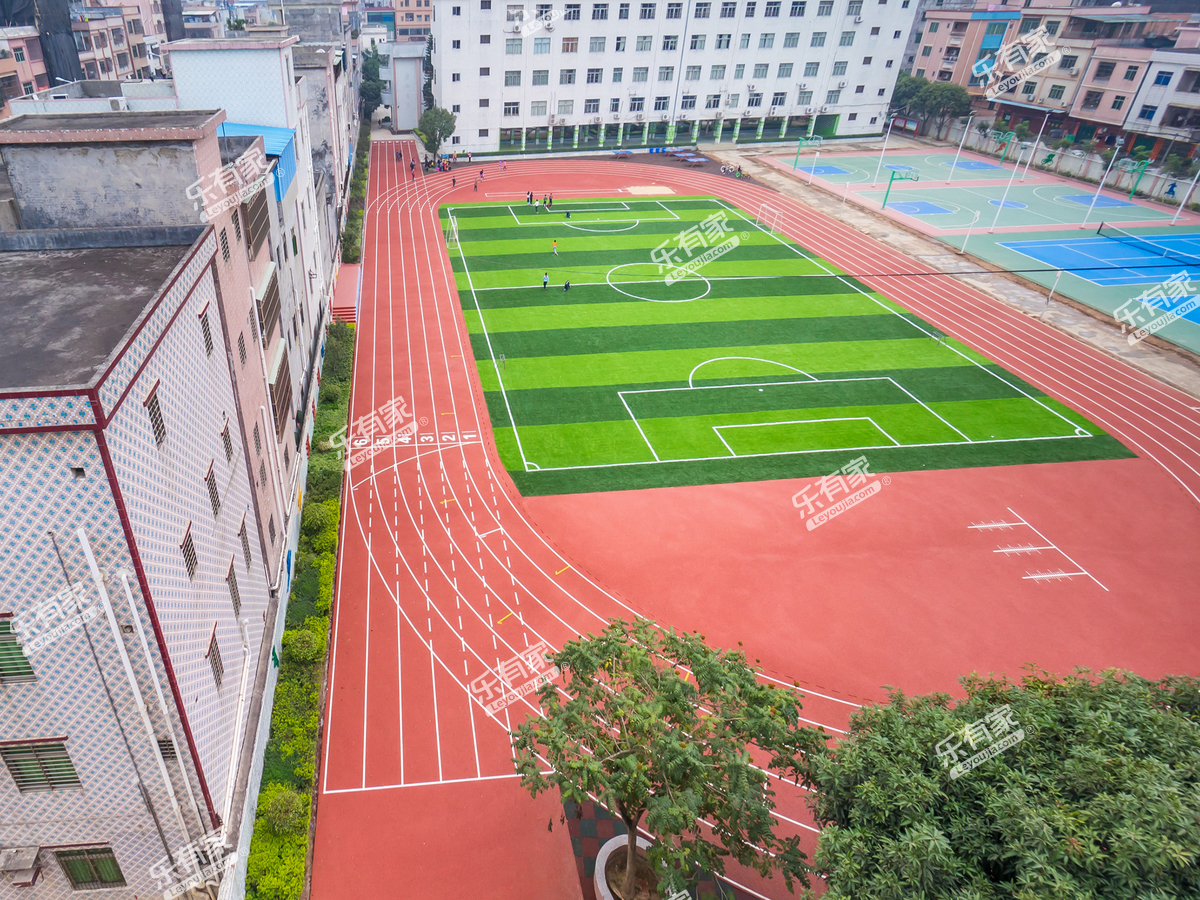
(768,363)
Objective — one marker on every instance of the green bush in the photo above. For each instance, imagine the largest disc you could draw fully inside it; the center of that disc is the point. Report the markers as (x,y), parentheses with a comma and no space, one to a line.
(302,646)
(275,867)
(315,518)
(286,812)
(331,394)
(339,353)
(326,566)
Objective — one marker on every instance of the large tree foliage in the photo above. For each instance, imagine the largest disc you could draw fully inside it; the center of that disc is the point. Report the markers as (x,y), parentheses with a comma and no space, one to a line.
(435,126)
(370,91)
(906,91)
(938,102)
(657,724)
(1100,799)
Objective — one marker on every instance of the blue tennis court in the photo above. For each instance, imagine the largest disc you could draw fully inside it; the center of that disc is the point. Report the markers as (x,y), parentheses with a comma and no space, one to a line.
(823,170)
(971,165)
(1102,202)
(918,208)
(1126,259)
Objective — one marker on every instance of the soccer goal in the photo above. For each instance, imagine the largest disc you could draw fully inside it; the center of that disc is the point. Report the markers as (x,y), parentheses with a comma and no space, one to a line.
(452,233)
(768,218)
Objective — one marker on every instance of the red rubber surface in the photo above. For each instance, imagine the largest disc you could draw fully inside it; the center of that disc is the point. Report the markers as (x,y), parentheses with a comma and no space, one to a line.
(446,571)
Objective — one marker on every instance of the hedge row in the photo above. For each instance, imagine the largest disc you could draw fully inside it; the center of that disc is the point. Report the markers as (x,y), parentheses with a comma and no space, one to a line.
(352,235)
(279,847)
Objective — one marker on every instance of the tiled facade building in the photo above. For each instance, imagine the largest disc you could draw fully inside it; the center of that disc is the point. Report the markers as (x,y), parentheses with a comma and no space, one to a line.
(22,68)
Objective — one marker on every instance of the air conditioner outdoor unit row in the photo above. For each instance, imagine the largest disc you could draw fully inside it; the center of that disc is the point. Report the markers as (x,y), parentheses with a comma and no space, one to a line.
(824,109)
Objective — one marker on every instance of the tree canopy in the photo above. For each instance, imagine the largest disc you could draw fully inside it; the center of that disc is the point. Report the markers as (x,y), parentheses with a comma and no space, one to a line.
(370,90)
(1101,797)
(435,126)
(658,725)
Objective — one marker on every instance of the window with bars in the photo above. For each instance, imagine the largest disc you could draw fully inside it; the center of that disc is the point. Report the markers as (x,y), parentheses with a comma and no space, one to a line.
(166,749)
(14,665)
(242,347)
(91,868)
(214,496)
(244,535)
(258,222)
(287,460)
(213,655)
(262,474)
(227,440)
(188,549)
(225,245)
(234,593)
(269,306)
(206,330)
(154,411)
(271,525)
(237,224)
(41,766)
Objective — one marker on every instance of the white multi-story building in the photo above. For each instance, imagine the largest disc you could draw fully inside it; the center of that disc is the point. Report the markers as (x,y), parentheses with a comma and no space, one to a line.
(526,76)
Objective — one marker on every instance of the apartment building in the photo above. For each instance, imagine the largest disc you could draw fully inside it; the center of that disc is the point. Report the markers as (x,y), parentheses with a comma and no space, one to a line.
(1164,114)
(22,68)
(543,76)
(111,42)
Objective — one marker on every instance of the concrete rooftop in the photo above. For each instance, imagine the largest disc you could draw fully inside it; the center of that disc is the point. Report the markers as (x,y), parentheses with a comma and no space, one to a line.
(110,126)
(65,311)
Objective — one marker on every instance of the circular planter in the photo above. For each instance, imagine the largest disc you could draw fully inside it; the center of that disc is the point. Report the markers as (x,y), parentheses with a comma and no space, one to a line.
(610,847)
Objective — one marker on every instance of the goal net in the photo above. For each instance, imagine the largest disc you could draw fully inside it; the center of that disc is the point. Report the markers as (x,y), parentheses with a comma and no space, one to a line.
(452,233)
(768,218)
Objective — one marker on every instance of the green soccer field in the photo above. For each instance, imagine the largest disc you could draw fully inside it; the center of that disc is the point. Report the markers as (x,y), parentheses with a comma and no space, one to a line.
(696,346)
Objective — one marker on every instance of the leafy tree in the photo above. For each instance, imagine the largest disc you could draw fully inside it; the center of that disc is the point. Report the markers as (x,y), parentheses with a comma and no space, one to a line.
(435,126)
(370,90)
(427,67)
(1099,799)
(907,89)
(658,725)
(232,24)
(940,101)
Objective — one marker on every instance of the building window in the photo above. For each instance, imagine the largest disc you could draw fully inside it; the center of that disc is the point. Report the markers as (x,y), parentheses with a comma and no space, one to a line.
(744,42)
(825,8)
(485,39)
(1147,112)
(515,12)
(617,74)
(644,42)
(566,107)
(455,76)
(859,89)
(225,245)
(867,60)
(687,101)
(698,41)
(925,51)
(537,108)
(661,103)
(213,654)
(591,106)
(713,101)
(760,70)
(804,97)
(89,869)
(1068,62)
(19,54)
(245,536)
(572,12)
(888,64)
(1091,100)
(228,443)
(766,41)
(456,10)
(797,9)
(595,76)
(854,8)
(833,96)
(779,98)
(541,76)
(262,474)
(881,92)
(512,78)
(237,224)
(818,39)
(484,103)
(154,411)
(666,73)
(1131,73)
(614,105)
(620,45)
(996,28)
(641,73)
(1028,88)
(257,441)
(1163,77)
(596,45)
(717,73)
(811,69)
(702,10)
(750,9)
(623,11)
(637,104)
(674,10)
(271,529)
(785,70)
(839,68)
(755,99)
(1118,102)
(723,41)
(647,11)
(920,73)
(512,46)
(188,549)
(40,767)
(14,665)
(512,109)
(570,45)
(1104,70)
(1052,28)
(566,76)
(235,595)
(670,42)
(456,45)
(772,10)
(599,11)
(1056,91)
(206,330)
(847,39)
(791,39)
(738,71)
(691,73)
(728,9)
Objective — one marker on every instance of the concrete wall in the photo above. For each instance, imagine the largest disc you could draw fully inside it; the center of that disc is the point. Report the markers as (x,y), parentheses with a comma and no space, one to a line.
(204,80)
(102,185)
(406,93)
(314,23)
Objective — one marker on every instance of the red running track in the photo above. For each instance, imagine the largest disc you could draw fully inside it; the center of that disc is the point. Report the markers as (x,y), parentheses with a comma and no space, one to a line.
(446,572)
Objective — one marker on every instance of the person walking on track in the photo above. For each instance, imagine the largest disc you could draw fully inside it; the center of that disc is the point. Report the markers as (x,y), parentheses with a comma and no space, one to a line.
(550,205)
(453,182)
(477,184)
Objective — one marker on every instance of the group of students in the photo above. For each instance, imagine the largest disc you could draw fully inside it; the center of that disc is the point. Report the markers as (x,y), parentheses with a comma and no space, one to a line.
(547,201)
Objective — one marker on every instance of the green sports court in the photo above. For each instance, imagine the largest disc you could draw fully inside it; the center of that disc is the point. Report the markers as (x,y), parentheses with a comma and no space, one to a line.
(698,346)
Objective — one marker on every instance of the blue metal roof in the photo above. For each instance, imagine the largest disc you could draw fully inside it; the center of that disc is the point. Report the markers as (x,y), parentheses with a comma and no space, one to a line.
(277,142)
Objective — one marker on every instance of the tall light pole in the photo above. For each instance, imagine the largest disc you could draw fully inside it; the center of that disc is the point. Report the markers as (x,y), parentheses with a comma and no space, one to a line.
(966,131)
(891,122)
(1100,187)
(1004,199)
(1036,141)
(1183,202)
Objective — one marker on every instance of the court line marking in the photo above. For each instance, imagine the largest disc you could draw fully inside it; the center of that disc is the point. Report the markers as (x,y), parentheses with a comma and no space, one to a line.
(1049,545)
(717,429)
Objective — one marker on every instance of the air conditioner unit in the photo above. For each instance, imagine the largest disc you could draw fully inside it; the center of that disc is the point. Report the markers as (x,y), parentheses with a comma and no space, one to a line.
(750,86)
(640,117)
(666,117)
(858,20)
(841,84)
(803,85)
(824,109)
(808,110)
(616,117)
(516,29)
(597,120)
(549,27)
(1074,73)
(118,104)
